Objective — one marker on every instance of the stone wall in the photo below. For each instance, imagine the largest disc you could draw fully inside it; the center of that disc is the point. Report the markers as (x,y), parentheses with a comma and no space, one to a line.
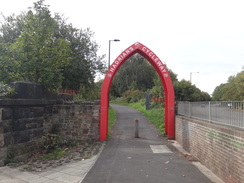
(77,121)
(23,123)
(219,148)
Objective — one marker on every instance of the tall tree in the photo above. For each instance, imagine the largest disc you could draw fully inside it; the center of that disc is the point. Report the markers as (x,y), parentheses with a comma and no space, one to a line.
(219,92)
(158,89)
(11,27)
(37,47)
(185,91)
(36,55)
(135,74)
(85,62)
(232,90)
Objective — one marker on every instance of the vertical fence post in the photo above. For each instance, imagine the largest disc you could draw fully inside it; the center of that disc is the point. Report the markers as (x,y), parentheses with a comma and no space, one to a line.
(229,113)
(189,109)
(136,128)
(209,112)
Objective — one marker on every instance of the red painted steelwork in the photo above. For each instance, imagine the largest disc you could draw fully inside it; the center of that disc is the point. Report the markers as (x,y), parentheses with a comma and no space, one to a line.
(165,79)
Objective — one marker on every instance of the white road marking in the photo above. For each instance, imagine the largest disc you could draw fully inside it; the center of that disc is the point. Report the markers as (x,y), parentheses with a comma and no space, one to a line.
(160,149)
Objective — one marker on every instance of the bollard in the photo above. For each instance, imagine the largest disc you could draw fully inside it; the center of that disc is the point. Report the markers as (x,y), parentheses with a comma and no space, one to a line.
(136,128)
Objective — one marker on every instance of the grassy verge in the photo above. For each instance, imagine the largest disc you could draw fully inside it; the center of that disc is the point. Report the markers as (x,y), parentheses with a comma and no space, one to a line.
(156,115)
(111,120)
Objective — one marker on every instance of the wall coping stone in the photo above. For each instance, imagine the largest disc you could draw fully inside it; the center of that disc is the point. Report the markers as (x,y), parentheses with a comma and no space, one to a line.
(97,102)
(27,90)
(26,102)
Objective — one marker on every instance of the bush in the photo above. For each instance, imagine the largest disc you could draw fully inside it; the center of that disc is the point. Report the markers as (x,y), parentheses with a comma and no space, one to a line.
(51,142)
(91,93)
(131,96)
(6,91)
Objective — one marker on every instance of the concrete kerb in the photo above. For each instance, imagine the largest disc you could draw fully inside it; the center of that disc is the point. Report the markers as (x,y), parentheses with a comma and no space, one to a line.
(17,175)
(69,173)
(208,173)
(94,161)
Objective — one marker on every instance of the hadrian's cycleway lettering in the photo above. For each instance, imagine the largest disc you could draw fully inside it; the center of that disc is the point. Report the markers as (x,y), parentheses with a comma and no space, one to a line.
(155,59)
(120,58)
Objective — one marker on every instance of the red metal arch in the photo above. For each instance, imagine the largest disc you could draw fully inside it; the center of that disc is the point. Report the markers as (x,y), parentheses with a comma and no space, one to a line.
(166,82)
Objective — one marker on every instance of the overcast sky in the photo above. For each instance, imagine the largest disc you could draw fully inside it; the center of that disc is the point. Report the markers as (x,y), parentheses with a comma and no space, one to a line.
(205,36)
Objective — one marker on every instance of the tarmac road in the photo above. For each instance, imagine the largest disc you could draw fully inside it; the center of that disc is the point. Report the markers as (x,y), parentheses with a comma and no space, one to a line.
(126,159)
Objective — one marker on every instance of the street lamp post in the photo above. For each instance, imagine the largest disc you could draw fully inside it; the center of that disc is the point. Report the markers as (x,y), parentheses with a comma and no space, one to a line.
(109,51)
(191,75)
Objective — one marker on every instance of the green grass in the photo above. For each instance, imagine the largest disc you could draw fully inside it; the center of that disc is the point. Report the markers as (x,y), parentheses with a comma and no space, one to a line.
(58,153)
(111,120)
(119,101)
(156,115)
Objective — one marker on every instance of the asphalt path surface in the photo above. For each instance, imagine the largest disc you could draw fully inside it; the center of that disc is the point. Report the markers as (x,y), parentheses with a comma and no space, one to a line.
(126,159)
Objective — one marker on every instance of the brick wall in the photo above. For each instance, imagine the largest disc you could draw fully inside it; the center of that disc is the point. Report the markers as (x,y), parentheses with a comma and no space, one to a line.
(219,148)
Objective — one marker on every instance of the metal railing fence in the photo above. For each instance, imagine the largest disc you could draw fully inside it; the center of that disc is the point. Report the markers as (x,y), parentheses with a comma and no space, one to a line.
(228,112)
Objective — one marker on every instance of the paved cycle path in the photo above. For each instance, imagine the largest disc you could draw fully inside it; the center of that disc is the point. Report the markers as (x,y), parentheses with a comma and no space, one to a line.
(147,159)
